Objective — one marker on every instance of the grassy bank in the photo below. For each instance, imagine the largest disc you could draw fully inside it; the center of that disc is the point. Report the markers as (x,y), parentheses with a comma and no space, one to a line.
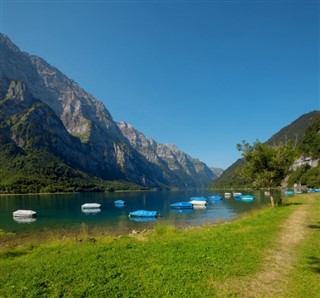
(164,262)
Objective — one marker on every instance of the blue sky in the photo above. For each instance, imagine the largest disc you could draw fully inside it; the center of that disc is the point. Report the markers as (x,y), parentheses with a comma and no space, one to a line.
(203,75)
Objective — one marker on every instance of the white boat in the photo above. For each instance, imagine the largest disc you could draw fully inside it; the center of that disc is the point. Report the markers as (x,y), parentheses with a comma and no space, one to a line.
(24,213)
(197,203)
(227,195)
(90,206)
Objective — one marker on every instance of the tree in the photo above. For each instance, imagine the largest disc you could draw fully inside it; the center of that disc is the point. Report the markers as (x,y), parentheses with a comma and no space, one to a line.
(266,165)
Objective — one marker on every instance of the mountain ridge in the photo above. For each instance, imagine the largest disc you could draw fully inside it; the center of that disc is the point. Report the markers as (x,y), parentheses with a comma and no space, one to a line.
(108,153)
(173,162)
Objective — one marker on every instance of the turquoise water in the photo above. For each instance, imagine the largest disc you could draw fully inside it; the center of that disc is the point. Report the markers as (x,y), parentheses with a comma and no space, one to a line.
(63,211)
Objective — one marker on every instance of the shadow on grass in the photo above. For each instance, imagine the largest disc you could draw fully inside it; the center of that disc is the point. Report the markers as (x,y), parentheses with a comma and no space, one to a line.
(289,204)
(314,263)
(12,254)
(314,227)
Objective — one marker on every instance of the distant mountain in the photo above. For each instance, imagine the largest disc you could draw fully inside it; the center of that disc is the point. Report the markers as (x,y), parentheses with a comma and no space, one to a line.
(217,171)
(176,165)
(86,138)
(295,131)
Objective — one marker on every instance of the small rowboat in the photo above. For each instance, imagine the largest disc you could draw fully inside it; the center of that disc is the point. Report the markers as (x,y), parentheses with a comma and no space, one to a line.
(120,202)
(198,201)
(215,199)
(247,198)
(90,206)
(182,205)
(24,213)
(143,213)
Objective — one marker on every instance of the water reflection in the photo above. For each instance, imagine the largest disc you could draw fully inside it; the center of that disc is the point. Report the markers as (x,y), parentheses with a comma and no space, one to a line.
(24,219)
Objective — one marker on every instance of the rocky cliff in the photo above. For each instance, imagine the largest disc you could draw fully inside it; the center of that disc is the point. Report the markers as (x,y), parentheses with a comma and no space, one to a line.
(88,137)
(175,164)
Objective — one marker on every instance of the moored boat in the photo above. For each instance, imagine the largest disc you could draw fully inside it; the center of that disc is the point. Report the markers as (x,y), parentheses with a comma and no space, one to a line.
(182,205)
(143,213)
(215,197)
(120,202)
(25,213)
(289,192)
(227,195)
(198,201)
(247,198)
(90,206)
(237,194)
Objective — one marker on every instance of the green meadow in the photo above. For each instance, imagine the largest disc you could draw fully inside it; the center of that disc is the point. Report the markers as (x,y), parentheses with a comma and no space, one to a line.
(221,260)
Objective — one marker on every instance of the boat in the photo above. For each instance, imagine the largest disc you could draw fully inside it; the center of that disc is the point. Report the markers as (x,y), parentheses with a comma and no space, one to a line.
(247,198)
(289,192)
(24,213)
(90,206)
(215,198)
(120,202)
(227,195)
(198,201)
(237,194)
(143,213)
(182,205)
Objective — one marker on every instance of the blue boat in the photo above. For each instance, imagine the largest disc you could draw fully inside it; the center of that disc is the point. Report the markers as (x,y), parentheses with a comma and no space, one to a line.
(182,205)
(289,192)
(238,197)
(143,213)
(215,199)
(247,198)
(120,202)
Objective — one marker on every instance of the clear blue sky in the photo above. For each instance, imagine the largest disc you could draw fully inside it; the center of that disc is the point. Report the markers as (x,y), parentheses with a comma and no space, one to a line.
(203,75)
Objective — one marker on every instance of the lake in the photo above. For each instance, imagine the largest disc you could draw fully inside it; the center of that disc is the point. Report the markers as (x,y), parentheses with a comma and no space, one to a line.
(63,211)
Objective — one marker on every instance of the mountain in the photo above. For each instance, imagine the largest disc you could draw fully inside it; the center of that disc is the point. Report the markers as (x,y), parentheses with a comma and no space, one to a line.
(34,144)
(108,153)
(296,131)
(176,165)
(86,139)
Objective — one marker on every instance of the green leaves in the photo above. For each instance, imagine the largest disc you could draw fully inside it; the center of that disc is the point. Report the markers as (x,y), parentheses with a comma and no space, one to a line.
(266,165)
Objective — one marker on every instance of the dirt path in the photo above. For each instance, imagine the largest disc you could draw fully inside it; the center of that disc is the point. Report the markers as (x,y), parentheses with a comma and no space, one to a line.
(271,280)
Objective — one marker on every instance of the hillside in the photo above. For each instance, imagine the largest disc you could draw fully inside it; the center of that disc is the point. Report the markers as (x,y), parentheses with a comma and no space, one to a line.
(86,138)
(303,133)
(34,148)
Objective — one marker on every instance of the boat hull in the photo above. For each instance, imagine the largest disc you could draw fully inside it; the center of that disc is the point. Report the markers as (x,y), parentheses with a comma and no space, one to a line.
(143,213)
(198,203)
(182,205)
(90,206)
(24,214)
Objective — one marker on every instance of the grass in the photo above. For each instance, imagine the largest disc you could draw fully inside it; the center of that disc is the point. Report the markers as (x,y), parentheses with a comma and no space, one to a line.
(165,262)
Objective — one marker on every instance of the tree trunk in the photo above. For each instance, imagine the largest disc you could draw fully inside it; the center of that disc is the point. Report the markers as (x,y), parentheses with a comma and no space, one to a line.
(271,196)
(271,200)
